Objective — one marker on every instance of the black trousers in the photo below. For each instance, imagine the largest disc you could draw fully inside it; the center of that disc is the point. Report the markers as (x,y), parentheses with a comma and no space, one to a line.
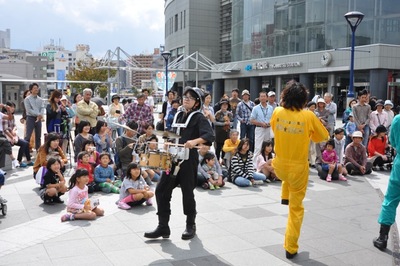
(187,179)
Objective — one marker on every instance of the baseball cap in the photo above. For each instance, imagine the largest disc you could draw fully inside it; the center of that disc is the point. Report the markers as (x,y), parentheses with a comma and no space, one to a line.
(271,93)
(245,92)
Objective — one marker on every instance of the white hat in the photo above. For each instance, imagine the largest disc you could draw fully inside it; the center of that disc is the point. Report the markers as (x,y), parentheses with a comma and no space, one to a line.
(271,93)
(389,102)
(245,92)
(64,98)
(357,134)
(321,100)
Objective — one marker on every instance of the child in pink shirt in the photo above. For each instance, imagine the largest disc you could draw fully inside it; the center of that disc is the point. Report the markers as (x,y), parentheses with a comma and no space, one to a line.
(330,161)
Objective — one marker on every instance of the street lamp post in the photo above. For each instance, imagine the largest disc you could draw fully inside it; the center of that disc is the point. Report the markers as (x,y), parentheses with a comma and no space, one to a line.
(166,55)
(354,19)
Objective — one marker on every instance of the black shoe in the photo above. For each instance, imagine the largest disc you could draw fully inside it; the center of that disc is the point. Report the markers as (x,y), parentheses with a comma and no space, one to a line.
(285,202)
(48,201)
(379,243)
(160,231)
(57,200)
(381,168)
(189,232)
(290,255)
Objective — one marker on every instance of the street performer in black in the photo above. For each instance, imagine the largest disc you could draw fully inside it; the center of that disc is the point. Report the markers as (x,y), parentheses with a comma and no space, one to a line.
(194,129)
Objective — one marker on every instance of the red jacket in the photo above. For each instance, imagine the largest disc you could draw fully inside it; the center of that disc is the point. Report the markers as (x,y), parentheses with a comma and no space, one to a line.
(88,167)
(377,145)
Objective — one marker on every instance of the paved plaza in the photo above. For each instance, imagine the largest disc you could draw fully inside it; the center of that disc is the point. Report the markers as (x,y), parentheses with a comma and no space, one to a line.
(235,226)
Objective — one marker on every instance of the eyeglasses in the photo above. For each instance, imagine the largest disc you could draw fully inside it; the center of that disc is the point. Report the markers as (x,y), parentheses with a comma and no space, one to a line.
(188,98)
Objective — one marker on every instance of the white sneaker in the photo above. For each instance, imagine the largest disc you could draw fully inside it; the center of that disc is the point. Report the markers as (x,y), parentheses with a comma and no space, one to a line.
(258,182)
(15,163)
(2,172)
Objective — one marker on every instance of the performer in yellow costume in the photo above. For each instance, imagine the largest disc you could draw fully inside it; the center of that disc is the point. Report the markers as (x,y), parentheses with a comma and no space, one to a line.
(293,128)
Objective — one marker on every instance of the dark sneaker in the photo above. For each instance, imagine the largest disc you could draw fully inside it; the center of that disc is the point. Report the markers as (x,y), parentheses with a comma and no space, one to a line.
(57,200)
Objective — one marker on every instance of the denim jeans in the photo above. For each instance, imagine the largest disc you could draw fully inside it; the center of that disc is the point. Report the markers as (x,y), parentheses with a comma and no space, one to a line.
(244,182)
(247,130)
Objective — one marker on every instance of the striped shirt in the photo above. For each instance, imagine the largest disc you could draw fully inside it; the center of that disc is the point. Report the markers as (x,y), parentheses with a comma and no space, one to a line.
(242,165)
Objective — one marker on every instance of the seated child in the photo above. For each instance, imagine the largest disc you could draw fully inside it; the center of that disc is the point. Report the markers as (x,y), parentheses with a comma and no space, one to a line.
(264,161)
(208,164)
(83,162)
(104,175)
(94,156)
(79,206)
(134,190)
(330,161)
(53,183)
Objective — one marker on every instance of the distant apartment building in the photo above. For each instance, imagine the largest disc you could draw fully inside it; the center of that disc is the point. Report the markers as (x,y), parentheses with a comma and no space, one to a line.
(5,37)
(144,79)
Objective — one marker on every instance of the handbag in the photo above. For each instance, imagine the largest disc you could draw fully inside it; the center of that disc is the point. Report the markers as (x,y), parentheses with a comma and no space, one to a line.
(39,176)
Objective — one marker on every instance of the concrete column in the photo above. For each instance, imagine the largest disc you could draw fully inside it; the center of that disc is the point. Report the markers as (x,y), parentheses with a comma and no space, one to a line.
(255,87)
(278,88)
(331,84)
(308,80)
(218,90)
(378,79)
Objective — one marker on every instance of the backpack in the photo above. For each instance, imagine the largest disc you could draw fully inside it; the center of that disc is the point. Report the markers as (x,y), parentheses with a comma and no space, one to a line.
(117,160)
(39,177)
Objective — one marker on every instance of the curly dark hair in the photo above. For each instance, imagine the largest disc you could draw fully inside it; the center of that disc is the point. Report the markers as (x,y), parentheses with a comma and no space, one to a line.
(294,96)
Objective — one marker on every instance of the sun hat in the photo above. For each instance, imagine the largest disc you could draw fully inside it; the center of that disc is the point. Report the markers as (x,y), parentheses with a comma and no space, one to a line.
(357,134)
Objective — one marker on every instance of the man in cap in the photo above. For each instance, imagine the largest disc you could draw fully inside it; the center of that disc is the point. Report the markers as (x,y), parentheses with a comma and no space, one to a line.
(356,156)
(243,113)
(378,117)
(271,99)
(260,117)
(139,112)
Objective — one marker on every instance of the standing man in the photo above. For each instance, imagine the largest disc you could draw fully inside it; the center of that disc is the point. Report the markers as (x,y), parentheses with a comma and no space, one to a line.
(361,112)
(88,110)
(271,99)
(260,117)
(149,100)
(167,106)
(293,127)
(332,109)
(34,106)
(243,113)
(139,112)
(233,102)
(194,130)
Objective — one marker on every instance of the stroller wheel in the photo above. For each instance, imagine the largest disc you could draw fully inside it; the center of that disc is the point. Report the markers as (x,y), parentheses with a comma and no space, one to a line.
(4,209)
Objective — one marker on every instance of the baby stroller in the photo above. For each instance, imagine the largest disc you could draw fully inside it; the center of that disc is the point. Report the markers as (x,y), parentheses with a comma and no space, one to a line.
(390,154)
(3,205)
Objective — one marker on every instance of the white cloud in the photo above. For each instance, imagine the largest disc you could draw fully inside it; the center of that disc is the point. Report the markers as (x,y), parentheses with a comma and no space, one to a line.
(108,15)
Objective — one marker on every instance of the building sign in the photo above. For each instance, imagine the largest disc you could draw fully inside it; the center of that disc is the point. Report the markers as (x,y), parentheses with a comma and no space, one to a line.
(265,65)
(49,55)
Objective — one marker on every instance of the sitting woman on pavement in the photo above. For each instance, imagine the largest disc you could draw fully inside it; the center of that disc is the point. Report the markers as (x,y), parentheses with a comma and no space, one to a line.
(242,170)
(377,146)
(83,134)
(50,149)
(356,156)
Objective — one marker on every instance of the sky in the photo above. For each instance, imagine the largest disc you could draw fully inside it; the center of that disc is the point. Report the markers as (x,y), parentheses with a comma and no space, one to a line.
(136,26)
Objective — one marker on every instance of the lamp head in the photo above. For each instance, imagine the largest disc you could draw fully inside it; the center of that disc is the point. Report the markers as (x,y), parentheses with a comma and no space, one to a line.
(166,55)
(354,19)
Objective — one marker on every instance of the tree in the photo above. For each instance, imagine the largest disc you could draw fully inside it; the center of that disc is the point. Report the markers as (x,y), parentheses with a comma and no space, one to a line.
(88,70)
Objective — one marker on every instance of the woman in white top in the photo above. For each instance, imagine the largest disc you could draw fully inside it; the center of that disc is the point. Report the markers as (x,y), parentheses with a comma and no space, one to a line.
(208,110)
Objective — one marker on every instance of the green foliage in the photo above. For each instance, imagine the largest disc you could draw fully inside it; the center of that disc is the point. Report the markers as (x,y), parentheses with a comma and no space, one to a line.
(103,91)
(87,70)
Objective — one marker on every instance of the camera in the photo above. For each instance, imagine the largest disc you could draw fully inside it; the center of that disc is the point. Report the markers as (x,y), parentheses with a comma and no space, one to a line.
(117,111)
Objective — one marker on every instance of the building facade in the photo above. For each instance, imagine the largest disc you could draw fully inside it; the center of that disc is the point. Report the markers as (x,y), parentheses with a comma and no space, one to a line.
(307,40)
(5,38)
